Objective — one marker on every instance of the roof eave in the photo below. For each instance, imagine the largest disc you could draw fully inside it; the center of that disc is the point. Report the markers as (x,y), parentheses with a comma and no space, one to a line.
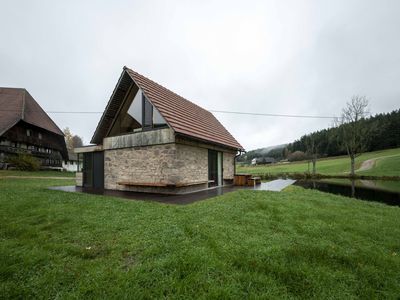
(187,136)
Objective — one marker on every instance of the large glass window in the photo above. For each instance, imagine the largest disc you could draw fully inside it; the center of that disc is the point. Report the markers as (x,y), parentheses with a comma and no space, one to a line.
(147,114)
(158,120)
(135,110)
(137,114)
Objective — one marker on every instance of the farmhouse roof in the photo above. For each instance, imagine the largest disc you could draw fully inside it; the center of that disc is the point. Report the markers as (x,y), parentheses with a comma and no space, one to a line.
(182,115)
(17,104)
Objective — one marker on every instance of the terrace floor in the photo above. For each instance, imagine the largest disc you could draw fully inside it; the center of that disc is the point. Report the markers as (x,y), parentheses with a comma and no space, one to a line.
(275,185)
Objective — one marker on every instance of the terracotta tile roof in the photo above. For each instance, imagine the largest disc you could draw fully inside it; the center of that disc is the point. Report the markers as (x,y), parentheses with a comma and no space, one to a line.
(17,104)
(183,116)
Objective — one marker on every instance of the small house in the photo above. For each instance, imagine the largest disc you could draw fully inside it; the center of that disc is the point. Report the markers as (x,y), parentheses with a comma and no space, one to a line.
(25,128)
(70,164)
(262,161)
(149,139)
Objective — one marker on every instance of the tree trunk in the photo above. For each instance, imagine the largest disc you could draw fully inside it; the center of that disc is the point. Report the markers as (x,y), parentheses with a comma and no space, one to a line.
(353,188)
(352,159)
(314,166)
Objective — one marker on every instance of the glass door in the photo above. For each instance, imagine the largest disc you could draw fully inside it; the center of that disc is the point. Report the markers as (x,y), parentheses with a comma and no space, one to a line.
(87,169)
(214,168)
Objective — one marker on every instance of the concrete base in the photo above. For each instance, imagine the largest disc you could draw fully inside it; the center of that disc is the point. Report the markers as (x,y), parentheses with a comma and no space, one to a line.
(165,190)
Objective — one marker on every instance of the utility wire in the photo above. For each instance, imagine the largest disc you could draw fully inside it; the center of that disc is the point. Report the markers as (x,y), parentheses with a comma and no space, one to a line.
(271,115)
(215,111)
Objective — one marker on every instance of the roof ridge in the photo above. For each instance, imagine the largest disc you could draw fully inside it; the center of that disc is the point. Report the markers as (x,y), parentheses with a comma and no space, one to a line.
(129,69)
(21,106)
(40,108)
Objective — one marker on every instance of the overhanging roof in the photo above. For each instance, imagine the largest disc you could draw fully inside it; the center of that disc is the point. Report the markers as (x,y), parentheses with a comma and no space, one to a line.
(17,104)
(182,115)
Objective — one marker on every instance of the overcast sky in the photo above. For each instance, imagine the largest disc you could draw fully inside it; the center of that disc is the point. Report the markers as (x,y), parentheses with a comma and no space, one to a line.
(283,57)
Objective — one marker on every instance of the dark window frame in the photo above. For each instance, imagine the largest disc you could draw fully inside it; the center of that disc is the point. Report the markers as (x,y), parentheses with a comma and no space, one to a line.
(147,127)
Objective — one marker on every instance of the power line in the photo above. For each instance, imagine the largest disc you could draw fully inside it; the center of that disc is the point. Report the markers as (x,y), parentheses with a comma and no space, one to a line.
(215,111)
(272,115)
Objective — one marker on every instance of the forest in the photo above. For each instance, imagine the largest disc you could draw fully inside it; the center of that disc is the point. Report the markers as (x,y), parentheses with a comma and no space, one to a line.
(382,132)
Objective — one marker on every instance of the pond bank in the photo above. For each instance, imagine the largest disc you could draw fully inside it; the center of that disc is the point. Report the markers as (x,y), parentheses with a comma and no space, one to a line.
(270,176)
(387,192)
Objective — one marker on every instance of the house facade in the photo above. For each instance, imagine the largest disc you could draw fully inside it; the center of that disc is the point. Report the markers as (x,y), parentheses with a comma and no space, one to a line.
(150,139)
(26,129)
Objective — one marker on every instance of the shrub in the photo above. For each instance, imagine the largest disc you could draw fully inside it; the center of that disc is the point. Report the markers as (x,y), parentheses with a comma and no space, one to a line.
(296,156)
(24,162)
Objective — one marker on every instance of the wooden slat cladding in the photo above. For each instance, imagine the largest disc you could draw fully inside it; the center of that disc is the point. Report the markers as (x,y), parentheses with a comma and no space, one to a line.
(112,108)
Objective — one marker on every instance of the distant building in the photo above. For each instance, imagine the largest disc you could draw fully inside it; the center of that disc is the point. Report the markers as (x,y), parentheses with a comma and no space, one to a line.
(71,165)
(26,129)
(263,161)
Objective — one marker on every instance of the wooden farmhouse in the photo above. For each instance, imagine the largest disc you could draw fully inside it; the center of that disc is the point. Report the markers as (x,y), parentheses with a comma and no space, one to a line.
(26,129)
(150,139)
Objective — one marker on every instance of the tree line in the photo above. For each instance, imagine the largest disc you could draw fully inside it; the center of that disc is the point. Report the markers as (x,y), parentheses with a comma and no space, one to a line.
(353,133)
(382,131)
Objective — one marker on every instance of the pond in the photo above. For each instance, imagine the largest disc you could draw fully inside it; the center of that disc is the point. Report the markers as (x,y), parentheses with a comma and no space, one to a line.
(384,191)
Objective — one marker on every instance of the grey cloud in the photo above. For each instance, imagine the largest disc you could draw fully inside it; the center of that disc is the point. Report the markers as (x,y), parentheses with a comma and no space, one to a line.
(272,56)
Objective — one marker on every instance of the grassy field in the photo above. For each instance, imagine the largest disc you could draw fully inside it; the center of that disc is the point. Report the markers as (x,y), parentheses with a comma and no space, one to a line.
(247,244)
(36,173)
(387,164)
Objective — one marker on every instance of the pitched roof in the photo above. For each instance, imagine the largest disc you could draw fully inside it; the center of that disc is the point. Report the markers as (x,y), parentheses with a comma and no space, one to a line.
(182,115)
(17,104)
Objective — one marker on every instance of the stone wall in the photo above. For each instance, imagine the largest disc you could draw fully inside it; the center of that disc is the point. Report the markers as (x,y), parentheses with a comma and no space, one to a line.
(148,164)
(191,163)
(169,163)
(229,165)
(79,179)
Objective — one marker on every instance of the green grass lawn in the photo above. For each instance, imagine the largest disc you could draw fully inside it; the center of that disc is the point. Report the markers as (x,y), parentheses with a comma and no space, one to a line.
(387,164)
(36,173)
(247,244)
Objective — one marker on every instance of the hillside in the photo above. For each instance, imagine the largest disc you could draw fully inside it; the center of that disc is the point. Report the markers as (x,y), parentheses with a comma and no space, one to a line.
(271,151)
(380,163)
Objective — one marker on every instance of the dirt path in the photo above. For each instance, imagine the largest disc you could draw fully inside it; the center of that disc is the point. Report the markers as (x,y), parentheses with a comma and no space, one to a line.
(370,163)
(35,177)
(366,165)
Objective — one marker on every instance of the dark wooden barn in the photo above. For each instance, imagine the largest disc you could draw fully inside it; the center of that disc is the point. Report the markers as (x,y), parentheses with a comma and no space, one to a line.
(25,128)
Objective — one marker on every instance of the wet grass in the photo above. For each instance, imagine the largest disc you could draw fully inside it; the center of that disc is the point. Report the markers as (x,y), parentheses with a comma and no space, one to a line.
(247,244)
(387,164)
(36,173)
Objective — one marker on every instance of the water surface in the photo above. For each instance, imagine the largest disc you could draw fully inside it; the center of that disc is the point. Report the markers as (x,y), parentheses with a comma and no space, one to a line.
(370,190)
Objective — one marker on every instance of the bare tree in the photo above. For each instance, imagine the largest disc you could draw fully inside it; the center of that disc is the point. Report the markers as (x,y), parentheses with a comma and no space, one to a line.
(72,141)
(68,137)
(77,141)
(352,131)
(312,152)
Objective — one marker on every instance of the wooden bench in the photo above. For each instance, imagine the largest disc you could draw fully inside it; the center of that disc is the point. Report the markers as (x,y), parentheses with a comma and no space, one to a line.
(253,181)
(161,184)
(246,179)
